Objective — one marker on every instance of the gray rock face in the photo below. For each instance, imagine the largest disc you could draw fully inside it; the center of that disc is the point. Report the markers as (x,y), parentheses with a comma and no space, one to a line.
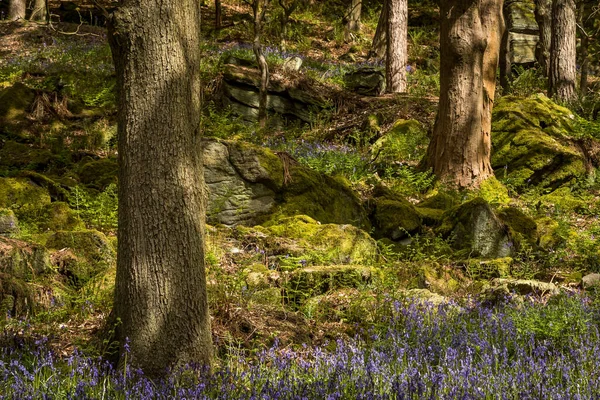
(240,91)
(366,81)
(475,228)
(246,184)
(523,31)
(590,280)
(236,195)
(292,64)
(527,286)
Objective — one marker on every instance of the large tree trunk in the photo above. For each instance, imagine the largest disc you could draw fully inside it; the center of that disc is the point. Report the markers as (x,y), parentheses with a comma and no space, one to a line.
(459,151)
(397,51)
(39,11)
(352,19)
(160,293)
(563,53)
(379,44)
(543,16)
(16,10)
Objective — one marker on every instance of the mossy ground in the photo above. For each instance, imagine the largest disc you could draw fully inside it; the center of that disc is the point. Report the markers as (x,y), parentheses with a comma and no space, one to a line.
(297,277)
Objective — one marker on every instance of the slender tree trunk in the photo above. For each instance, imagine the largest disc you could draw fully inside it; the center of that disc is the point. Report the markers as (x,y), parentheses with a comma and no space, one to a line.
(353,19)
(459,151)
(563,53)
(16,10)
(504,57)
(218,16)
(259,8)
(543,16)
(288,10)
(379,45)
(397,50)
(39,11)
(160,289)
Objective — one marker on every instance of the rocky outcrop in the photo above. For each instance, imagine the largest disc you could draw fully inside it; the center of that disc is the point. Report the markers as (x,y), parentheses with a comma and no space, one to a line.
(523,32)
(367,81)
(289,99)
(249,184)
(533,143)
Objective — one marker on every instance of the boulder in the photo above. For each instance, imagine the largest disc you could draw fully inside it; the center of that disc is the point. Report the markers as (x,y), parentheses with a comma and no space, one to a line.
(22,260)
(98,174)
(331,243)
(474,228)
(292,64)
(523,229)
(367,81)
(248,184)
(58,216)
(392,215)
(23,196)
(8,222)
(590,281)
(526,286)
(288,99)
(431,210)
(532,143)
(15,102)
(81,255)
(427,297)
(523,31)
(308,282)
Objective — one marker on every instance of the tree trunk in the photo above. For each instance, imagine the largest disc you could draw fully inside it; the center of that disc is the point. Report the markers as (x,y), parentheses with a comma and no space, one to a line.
(397,51)
(352,19)
(16,10)
(563,51)
(583,47)
(160,288)
(543,16)
(39,11)
(504,58)
(259,8)
(379,44)
(288,10)
(218,16)
(459,151)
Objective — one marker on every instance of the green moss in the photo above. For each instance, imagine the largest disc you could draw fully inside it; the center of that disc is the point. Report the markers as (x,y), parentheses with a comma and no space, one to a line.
(16,297)
(430,216)
(547,231)
(98,174)
(562,200)
(58,216)
(14,155)
(26,199)
(308,282)
(523,228)
(15,102)
(492,191)
(532,143)
(23,260)
(395,218)
(339,244)
(488,269)
(439,279)
(439,201)
(90,253)
(406,140)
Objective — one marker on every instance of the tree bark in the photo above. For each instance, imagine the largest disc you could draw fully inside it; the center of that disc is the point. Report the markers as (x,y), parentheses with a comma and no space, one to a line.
(218,14)
(352,19)
(160,288)
(459,151)
(543,16)
(39,12)
(379,44)
(397,50)
(563,52)
(16,10)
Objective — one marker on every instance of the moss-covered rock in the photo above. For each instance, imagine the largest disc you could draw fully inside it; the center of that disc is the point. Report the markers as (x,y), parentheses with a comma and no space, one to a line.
(58,216)
(80,255)
(439,279)
(19,156)
(431,210)
(15,102)
(405,141)
(392,215)
(488,269)
(98,174)
(24,197)
(22,260)
(308,282)
(562,200)
(547,231)
(474,228)
(16,297)
(336,244)
(8,222)
(523,228)
(426,296)
(532,143)
(493,191)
